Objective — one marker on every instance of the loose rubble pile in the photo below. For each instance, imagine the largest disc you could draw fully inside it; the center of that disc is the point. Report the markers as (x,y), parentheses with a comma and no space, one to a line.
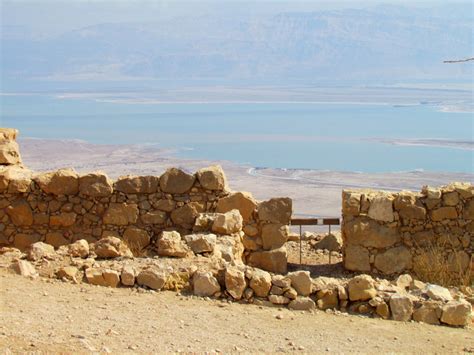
(109,262)
(394,233)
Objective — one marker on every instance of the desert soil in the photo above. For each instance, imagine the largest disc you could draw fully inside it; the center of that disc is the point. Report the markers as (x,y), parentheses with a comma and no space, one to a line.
(44,315)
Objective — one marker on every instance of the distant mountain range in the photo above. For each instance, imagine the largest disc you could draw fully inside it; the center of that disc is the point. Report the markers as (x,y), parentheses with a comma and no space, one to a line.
(383,44)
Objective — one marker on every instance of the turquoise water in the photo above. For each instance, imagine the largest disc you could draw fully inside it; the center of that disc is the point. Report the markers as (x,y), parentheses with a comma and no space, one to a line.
(341,137)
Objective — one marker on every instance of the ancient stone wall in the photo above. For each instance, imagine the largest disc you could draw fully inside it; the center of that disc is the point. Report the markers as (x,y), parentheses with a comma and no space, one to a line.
(168,215)
(428,234)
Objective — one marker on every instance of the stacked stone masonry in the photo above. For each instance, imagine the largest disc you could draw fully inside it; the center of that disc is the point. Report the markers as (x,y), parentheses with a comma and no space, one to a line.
(407,232)
(168,215)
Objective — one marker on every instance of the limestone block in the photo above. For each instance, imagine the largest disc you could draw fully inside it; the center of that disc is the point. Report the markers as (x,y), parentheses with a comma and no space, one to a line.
(469,209)
(56,239)
(95,185)
(368,233)
(121,214)
(356,258)
(443,213)
(9,153)
(381,208)
(302,304)
(350,203)
(154,217)
(212,178)
(327,299)
(171,244)
(128,275)
(61,182)
(66,219)
(205,284)
(261,283)
(331,242)
(401,307)
(394,260)
(111,247)
(185,216)
(242,201)
(451,198)
(276,210)
(136,238)
(152,278)
(228,223)
(301,282)
(8,134)
(428,312)
(457,313)
(176,181)
(40,250)
(79,249)
(20,213)
(229,248)
(235,283)
(274,235)
(201,243)
(23,241)
(438,293)
(361,288)
(137,184)
(272,260)
(24,268)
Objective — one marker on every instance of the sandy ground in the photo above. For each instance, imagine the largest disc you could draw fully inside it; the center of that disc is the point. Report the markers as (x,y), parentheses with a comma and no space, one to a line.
(51,316)
(315,193)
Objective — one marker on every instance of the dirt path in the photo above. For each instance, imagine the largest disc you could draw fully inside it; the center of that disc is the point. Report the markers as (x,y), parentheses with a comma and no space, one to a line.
(52,316)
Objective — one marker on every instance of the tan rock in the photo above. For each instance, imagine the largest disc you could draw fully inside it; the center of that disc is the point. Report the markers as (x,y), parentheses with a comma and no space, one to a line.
(438,293)
(469,209)
(261,283)
(368,233)
(24,268)
(276,210)
(451,198)
(23,241)
(412,212)
(121,214)
(69,273)
(401,307)
(278,299)
(327,299)
(281,281)
(152,278)
(465,189)
(229,248)
(40,250)
(404,281)
(361,288)
(431,192)
(201,243)
(356,258)
(228,223)
(136,238)
(272,260)
(185,216)
(137,184)
(235,283)
(242,201)
(331,242)
(111,247)
(8,134)
(394,260)
(154,217)
(95,185)
(302,304)
(165,205)
(111,278)
(383,310)
(251,243)
(65,219)
(79,249)
(205,284)
(128,275)
(16,178)
(176,181)
(428,312)
(274,235)
(442,213)
(61,182)
(458,262)
(301,282)
(20,213)
(102,277)
(457,313)
(212,178)
(56,239)
(250,230)
(171,244)
(350,203)
(381,208)
(10,153)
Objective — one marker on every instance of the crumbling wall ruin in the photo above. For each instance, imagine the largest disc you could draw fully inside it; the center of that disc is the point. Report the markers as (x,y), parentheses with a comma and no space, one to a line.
(168,215)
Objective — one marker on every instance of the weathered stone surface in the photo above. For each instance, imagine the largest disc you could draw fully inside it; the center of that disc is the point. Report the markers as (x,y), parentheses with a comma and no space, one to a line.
(23,241)
(69,273)
(176,181)
(235,283)
(56,239)
(401,307)
(229,248)
(383,310)
(428,312)
(111,278)
(205,284)
(201,243)
(350,203)
(272,260)
(111,247)
(136,238)
(152,278)
(137,184)
(301,282)
(465,189)
(65,219)
(250,230)
(456,313)
(302,304)
(394,260)
(438,293)
(228,223)
(171,244)
(128,275)
(278,299)
(9,153)
(412,212)
(327,299)
(102,277)
(40,250)
(331,242)
(442,213)
(20,213)
(361,288)
(165,205)
(15,178)
(242,201)
(185,216)
(451,198)
(8,134)
(458,262)
(212,178)
(79,249)
(469,209)
(154,217)
(24,268)
(276,210)
(356,258)
(368,233)
(381,208)
(261,283)
(61,182)
(431,192)
(281,281)
(121,214)
(95,185)
(274,235)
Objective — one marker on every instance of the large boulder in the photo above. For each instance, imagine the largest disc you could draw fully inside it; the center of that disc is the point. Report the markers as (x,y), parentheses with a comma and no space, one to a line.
(121,214)
(111,247)
(261,283)
(176,181)
(201,243)
(102,277)
(79,249)
(212,178)
(39,251)
(15,179)
(438,293)
(361,288)
(235,283)
(242,201)
(457,313)
(401,307)
(152,278)
(171,244)
(137,184)
(61,182)
(394,260)
(302,304)
(301,282)
(95,185)
(20,213)
(24,268)
(272,260)
(205,284)
(274,235)
(228,223)
(128,275)
(276,210)
(429,313)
